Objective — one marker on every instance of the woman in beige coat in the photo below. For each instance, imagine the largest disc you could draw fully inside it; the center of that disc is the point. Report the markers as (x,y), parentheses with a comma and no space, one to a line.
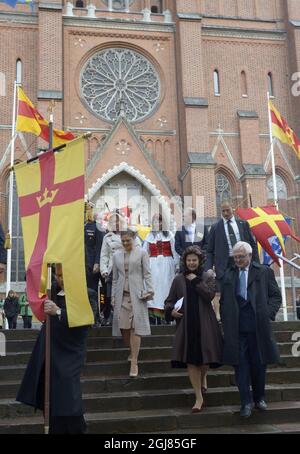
(131,289)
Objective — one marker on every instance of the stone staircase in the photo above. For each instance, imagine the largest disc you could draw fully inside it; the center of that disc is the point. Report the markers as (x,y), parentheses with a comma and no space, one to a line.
(160,399)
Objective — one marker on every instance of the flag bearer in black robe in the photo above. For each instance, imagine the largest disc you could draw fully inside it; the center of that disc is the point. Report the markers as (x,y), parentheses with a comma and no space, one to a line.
(68,350)
(3,253)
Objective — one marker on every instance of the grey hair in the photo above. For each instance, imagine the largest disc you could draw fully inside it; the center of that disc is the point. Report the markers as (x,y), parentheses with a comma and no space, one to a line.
(242,245)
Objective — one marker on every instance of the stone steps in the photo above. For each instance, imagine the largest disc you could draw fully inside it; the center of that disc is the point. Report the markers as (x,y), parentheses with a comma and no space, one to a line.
(169,420)
(160,399)
(155,399)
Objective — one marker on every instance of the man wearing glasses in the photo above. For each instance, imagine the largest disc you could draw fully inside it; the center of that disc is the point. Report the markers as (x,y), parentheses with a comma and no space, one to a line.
(250,299)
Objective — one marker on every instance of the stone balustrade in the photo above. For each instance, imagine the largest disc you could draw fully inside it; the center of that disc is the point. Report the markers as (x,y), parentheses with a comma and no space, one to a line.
(92,12)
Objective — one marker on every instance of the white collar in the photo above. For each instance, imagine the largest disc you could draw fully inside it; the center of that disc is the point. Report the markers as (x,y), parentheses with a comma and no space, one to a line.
(61,293)
(231,219)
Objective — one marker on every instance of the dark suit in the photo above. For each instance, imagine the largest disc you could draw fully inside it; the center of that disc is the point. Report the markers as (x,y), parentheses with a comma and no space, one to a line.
(181,240)
(3,253)
(249,343)
(218,249)
(93,239)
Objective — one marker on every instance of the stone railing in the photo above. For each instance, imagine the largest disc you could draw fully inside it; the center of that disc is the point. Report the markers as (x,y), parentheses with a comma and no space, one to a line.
(91,12)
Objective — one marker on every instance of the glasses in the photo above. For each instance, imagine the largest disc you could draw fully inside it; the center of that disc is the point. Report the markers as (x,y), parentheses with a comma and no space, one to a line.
(240,257)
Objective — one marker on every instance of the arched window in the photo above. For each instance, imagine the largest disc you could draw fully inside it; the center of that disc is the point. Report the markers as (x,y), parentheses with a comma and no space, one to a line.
(19,71)
(270,85)
(281,188)
(244,84)
(79,4)
(223,190)
(17,250)
(216,83)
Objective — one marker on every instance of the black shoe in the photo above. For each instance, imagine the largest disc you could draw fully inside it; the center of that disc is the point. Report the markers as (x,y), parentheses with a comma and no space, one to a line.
(261,405)
(246,411)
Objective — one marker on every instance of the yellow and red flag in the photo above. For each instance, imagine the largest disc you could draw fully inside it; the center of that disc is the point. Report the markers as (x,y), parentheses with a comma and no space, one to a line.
(30,120)
(266,222)
(51,200)
(282,131)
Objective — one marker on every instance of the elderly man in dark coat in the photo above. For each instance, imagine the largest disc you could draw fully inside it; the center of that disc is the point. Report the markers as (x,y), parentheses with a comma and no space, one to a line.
(68,350)
(3,253)
(250,299)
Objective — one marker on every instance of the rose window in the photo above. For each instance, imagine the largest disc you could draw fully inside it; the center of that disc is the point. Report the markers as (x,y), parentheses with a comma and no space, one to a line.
(115,80)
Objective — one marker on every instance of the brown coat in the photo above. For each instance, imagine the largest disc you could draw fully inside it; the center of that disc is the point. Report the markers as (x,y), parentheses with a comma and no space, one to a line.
(211,338)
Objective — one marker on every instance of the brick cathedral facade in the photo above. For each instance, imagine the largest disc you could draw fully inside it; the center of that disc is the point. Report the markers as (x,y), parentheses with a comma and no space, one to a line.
(202,126)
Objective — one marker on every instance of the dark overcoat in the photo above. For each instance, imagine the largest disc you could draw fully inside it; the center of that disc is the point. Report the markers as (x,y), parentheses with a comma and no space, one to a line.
(11,306)
(218,250)
(68,350)
(211,338)
(265,298)
(181,243)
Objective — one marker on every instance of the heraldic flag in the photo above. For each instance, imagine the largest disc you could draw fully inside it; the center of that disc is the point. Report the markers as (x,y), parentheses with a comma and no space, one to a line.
(266,222)
(51,200)
(30,120)
(282,130)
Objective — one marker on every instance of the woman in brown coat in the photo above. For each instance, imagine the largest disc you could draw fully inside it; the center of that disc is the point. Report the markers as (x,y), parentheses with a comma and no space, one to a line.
(198,341)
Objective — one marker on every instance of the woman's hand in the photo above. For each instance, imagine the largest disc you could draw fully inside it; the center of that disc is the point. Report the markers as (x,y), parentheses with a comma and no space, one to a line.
(211,273)
(176,314)
(191,276)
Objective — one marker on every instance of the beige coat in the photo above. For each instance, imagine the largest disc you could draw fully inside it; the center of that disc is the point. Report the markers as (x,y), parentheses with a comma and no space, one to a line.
(139,277)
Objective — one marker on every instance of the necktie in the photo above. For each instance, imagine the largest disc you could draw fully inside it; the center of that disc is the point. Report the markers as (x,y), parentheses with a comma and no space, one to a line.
(231,233)
(243,287)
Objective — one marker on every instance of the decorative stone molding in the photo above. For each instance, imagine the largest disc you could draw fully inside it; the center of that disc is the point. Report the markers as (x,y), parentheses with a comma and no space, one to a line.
(162,121)
(125,167)
(159,47)
(243,33)
(119,35)
(220,140)
(79,42)
(80,118)
(123,148)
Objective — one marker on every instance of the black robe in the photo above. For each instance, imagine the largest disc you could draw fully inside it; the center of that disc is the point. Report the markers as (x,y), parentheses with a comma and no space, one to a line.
(3,253)
(68,351)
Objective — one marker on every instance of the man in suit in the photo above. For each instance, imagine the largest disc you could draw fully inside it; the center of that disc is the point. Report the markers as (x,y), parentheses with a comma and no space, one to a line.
(3,253)
(250,299)
(192,233)
(223,236)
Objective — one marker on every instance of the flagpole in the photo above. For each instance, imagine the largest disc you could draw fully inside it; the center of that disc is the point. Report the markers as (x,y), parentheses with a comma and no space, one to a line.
(11,188)
(275,191)
(48,320)
(47,358)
